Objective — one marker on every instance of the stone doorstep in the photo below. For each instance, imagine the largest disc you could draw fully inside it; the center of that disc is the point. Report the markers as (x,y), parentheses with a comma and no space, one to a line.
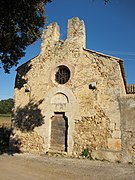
(107,155)
(112,156)
(56,153)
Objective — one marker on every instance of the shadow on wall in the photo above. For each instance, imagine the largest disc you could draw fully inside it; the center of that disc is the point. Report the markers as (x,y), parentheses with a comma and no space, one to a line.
(28,117)
(21,73)
(25,120)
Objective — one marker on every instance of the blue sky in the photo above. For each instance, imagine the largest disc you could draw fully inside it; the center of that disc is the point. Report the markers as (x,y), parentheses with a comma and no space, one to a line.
(110,29)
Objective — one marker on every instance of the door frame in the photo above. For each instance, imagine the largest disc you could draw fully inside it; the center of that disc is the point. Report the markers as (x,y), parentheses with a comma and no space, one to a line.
(71,109)
(66,130)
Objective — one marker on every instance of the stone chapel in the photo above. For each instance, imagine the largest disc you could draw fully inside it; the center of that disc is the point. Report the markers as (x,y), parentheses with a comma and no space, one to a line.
(70,98)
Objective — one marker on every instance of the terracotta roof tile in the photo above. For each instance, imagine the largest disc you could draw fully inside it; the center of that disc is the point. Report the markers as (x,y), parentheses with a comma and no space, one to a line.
(131,89)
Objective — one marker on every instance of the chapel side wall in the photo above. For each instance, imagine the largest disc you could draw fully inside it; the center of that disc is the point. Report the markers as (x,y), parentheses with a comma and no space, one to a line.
(127,105)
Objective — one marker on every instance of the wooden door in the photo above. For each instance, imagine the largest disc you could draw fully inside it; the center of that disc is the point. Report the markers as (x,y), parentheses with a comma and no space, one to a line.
(59,133)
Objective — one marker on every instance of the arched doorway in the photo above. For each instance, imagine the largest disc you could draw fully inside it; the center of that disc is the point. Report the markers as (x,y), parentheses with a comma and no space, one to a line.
(59,130)
(61,111)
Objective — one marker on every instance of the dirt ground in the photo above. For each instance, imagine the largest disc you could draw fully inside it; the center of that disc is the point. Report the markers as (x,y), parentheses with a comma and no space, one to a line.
(31,167)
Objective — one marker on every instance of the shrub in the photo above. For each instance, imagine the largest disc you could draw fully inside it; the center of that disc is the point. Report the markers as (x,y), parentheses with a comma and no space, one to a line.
(86,153)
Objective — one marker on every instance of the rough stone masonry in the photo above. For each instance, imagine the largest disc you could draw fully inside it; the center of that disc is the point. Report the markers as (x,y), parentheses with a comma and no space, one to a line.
(69,98)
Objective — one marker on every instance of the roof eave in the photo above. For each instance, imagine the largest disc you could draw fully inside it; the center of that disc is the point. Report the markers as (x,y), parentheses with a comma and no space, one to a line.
(26,63)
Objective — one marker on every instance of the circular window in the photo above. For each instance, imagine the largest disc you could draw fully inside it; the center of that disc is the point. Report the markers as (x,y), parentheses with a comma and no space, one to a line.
(62,74)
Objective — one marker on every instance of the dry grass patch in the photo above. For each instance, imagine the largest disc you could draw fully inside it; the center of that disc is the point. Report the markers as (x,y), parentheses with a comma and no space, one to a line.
(5,119)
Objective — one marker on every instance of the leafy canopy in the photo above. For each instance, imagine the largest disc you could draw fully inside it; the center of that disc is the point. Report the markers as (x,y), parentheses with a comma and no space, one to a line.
(6,106)
(21,22)
(20,25)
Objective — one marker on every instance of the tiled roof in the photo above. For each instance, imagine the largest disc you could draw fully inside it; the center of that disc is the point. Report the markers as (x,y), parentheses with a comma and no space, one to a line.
(131,89)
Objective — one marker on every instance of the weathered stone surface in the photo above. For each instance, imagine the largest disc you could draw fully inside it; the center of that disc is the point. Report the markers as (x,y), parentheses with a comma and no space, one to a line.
(28,142)
(127,105)
(114,144)
(92,132)
(107,155)
(116,134)
(90,99)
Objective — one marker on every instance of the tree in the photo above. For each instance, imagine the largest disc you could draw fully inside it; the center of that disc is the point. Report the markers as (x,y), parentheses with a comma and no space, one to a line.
(106,1)
(6,106)
(20,25)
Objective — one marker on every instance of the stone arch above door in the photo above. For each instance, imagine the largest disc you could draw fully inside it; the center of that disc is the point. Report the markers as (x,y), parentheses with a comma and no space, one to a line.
(59,94)
(60,99)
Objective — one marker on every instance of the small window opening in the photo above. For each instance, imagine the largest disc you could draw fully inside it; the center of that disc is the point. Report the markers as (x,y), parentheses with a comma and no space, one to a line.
(27,89)
(62,75)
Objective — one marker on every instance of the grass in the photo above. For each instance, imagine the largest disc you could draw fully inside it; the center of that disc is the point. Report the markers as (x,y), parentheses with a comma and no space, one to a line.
(5,118)
(5,115)
(87,154)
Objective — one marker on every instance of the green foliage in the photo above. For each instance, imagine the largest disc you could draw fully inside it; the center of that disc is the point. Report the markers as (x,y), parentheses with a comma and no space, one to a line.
(5,115)
(86,153)
(20,25)
(130,163)
(6,106)
(106,1)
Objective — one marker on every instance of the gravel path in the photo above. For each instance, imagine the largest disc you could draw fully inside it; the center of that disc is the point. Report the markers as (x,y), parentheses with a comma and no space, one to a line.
(32,167)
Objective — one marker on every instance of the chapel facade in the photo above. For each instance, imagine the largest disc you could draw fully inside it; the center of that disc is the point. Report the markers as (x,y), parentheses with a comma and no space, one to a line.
(69,98)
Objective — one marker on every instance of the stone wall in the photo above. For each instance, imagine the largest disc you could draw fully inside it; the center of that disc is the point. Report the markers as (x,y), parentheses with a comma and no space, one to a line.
(93,113)
(92,132)
(30,142)
(127,105)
